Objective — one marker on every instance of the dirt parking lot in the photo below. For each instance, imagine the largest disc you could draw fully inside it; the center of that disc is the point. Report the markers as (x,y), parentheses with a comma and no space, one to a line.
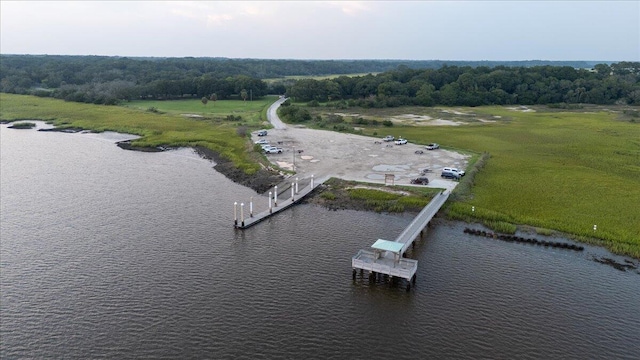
(354,157)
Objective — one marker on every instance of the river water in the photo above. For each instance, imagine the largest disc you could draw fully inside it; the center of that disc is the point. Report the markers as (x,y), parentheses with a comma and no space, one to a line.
(121,254)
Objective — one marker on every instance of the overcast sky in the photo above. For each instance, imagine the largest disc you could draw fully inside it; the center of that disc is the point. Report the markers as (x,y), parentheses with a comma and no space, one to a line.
(412,30)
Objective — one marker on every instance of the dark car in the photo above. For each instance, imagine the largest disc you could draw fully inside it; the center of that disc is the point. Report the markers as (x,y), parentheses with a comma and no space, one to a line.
(450,175)
(420,181)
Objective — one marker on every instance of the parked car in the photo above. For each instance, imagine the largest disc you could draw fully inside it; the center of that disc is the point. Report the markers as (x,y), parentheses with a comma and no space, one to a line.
(401,141)
(262,141)
(454,170)
(262,133)
(273,150)
(266,146)
(388,138)
(432,146)
(450,175)
(420,181)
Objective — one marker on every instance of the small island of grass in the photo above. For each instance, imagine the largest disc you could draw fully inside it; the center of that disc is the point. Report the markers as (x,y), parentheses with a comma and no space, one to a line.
(23,125)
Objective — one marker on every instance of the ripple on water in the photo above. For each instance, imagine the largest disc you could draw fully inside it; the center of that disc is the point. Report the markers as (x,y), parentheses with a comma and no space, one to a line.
(112,253)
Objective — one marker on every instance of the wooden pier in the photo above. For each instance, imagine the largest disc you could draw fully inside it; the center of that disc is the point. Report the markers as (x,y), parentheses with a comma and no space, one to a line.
(387,257)
(279,200)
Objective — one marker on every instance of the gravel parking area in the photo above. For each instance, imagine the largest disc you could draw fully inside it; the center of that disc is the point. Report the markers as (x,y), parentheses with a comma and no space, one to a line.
(355,157)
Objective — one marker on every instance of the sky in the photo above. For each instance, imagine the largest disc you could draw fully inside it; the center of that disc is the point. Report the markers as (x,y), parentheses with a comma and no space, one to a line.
(402,30)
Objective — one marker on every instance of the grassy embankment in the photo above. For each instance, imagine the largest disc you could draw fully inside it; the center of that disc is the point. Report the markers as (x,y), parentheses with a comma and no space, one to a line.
(549,169)
(166,127)
(343,194)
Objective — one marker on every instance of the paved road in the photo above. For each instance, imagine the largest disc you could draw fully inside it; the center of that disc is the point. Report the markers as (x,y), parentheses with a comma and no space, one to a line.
(272,115)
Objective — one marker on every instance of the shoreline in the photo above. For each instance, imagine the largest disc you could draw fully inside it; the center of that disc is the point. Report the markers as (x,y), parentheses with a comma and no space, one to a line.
(264,180)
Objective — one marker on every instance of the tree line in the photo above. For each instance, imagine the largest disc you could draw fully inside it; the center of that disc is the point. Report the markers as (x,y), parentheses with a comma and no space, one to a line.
(469,86)
(108,80)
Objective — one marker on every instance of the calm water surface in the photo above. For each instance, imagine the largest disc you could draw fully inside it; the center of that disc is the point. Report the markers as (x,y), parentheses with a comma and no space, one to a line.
(120,254)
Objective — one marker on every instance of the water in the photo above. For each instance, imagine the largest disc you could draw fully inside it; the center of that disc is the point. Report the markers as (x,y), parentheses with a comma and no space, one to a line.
(121,254)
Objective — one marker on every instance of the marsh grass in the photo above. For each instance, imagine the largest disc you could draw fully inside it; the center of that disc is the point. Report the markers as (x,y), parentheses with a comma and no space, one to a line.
(328,195)
(559,170)
(23,125)
(375,197)
(162,128)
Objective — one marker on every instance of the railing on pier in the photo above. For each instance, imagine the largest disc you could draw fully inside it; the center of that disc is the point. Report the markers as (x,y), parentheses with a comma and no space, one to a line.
(421,220)
(391,262)
(275,206)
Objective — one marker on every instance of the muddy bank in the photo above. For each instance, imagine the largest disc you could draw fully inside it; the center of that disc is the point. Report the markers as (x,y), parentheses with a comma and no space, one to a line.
(126,145)
(261,181)
(65,130)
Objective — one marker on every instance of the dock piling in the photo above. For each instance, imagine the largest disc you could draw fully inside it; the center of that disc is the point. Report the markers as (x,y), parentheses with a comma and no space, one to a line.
(242,213)
(251,206)
(296,185)
(389,258)
(270,208)
(275,196)
(292,197)
(235,213)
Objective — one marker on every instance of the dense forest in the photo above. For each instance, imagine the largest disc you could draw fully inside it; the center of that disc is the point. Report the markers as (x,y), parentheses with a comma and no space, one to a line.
(109,80)
(469,86)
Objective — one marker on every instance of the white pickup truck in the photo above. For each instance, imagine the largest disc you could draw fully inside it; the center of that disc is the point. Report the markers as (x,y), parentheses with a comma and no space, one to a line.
(273,150)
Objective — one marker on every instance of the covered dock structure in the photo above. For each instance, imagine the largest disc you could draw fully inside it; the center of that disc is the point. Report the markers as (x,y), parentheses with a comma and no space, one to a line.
(387,257)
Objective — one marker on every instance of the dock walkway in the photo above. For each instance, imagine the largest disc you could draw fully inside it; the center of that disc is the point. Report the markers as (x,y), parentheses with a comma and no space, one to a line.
(387,256)
(282,201)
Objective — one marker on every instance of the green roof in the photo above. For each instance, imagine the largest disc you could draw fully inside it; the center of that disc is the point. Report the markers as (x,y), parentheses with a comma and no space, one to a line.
(386,245)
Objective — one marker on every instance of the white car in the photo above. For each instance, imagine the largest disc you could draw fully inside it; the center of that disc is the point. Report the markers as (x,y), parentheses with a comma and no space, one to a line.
(388,138)
(401,141)
(453,170)
(262,142)
(273,150)
(432,146)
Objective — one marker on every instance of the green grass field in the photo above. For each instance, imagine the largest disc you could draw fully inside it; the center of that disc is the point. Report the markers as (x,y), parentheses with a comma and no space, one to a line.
(250,111)
(314,77)
(565,171)
(166,128)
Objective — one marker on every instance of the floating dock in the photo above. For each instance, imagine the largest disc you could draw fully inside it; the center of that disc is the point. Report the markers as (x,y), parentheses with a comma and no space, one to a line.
(387,257)
(293,196)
